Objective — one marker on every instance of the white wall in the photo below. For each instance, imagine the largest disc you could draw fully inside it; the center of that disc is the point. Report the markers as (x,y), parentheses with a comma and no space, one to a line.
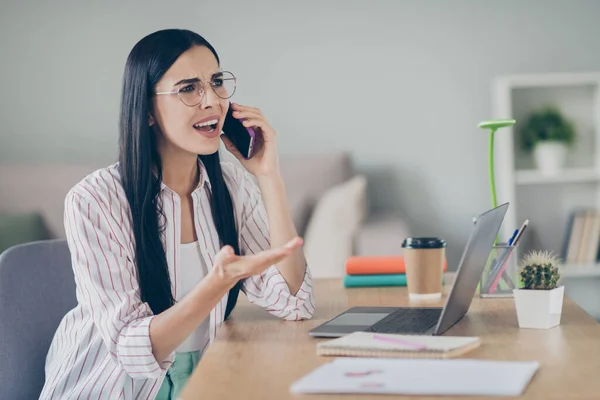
(399,84)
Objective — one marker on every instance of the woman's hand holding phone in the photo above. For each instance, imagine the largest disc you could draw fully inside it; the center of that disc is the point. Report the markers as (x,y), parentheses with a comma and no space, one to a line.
(265,161)
(264,165)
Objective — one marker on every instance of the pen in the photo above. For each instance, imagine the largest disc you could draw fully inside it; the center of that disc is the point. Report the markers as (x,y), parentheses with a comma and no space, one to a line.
(495,263)
(495,267)
(501,269)
(504,274)
(513,237)
(399,341)
(523,227)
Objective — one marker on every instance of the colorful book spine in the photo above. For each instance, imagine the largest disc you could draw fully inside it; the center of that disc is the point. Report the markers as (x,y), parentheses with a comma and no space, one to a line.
(374,280)
(373,265)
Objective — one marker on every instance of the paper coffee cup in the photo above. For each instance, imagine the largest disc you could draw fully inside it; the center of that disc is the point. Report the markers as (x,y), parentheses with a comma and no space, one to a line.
(424,260)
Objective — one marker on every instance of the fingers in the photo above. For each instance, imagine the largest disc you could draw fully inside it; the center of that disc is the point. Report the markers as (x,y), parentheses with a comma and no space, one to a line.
(251,122)
(273,256)
(253,117)
(225,255)
(257,263)
(247,115)
(265,129)
(239,107)
(294,243)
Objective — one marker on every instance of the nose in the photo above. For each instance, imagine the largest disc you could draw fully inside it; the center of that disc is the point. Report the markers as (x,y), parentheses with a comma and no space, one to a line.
(209,100)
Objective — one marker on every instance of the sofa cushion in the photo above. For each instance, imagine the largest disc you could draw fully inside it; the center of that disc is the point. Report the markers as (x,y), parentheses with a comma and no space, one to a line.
(381,234)
(328,241)
(40,188)
(307,178)
(21,228)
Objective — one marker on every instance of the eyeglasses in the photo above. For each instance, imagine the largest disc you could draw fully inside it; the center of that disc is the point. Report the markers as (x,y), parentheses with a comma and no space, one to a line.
(192,91)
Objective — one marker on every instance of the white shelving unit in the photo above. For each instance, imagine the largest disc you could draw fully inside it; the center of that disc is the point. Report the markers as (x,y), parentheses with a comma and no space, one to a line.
(573,175)
(548,200)
(584,271)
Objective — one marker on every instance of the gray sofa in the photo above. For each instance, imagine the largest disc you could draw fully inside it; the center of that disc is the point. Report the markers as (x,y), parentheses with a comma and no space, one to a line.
(39,190)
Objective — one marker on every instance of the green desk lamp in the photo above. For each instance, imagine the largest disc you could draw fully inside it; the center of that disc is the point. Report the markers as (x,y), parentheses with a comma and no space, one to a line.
(493,125)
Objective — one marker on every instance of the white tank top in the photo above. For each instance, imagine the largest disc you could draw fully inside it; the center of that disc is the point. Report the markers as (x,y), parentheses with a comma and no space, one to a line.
(192,270)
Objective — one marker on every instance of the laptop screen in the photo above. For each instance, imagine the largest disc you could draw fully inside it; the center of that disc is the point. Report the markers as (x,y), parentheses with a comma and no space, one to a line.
(471,266)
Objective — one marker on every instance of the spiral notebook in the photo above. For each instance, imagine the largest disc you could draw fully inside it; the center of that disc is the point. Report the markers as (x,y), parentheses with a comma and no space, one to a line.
(367,344)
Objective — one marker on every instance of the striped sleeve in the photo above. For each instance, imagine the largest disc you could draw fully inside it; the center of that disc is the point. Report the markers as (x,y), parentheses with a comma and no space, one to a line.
(107,279)
(269,289)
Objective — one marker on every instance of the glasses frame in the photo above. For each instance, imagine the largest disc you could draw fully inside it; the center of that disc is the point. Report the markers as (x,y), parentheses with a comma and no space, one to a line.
(202,90)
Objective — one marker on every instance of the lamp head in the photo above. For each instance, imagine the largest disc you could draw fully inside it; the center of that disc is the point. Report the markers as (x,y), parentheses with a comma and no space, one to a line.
(496,123)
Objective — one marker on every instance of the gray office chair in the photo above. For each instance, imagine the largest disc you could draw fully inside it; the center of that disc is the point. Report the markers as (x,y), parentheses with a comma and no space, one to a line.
(37,289)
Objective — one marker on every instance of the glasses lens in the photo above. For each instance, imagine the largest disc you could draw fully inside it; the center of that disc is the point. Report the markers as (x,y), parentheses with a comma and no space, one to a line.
(191,94)
(224,84)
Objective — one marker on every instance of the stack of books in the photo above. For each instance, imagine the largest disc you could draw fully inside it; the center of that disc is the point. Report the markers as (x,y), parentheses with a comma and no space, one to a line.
(581,243)
(364,271)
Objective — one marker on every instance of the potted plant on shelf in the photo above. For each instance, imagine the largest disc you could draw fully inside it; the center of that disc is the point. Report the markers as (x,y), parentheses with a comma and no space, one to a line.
(548,135)
(539,300)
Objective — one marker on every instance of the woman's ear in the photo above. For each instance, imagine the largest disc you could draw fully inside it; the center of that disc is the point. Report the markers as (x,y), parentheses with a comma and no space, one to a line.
(151,119)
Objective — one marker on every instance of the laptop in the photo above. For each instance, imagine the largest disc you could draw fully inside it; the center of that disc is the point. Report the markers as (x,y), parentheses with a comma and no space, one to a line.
(427,320)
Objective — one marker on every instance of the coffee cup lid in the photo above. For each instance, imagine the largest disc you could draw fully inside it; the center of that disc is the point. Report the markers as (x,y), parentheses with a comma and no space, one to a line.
(423,243)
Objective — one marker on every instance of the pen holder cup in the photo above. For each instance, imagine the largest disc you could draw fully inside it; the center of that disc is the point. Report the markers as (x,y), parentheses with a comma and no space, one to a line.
(500,275)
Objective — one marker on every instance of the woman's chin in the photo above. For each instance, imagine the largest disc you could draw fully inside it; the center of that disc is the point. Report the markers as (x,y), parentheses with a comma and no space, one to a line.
(207,147)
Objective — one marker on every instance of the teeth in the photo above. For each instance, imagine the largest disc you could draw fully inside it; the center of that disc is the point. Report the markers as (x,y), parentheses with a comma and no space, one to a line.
(200,125)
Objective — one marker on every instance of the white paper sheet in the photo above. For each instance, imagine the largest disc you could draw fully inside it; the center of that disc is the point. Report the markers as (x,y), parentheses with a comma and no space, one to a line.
(419,377)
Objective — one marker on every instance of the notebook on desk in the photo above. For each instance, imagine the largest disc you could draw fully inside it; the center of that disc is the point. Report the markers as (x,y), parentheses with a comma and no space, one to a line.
(367,344)
(457,377)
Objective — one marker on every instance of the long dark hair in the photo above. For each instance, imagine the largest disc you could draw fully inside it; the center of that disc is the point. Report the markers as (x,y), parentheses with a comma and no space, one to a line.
(141,169)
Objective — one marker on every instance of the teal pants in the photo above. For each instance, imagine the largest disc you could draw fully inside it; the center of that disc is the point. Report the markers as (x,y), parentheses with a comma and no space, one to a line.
(177,375)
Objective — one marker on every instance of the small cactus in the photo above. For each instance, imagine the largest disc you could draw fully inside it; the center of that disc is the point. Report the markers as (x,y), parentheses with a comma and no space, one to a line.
(539,271)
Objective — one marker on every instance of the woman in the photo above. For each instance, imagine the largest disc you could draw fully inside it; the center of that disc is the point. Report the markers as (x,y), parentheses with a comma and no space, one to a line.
(163,240)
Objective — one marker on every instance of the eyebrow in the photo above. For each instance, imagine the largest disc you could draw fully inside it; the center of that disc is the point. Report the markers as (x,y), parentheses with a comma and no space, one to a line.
(195,80)
(188,80)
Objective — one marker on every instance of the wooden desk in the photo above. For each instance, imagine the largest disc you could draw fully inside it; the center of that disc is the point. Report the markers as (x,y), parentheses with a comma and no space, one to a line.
(257,356)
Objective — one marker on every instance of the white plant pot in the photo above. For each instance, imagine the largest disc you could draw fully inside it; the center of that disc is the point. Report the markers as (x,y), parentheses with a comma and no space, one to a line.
(539,309)
(550,157)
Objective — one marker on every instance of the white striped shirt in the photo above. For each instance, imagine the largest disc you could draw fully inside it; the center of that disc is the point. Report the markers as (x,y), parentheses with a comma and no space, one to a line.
(102,347)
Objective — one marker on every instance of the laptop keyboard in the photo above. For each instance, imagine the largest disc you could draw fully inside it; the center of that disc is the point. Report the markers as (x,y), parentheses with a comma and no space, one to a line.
(407,321)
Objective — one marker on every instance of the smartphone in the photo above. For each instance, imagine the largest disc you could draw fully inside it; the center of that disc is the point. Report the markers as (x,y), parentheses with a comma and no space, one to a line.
(243,138)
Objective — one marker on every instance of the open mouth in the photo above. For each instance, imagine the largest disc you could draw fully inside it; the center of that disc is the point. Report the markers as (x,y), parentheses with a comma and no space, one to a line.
(208,126)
